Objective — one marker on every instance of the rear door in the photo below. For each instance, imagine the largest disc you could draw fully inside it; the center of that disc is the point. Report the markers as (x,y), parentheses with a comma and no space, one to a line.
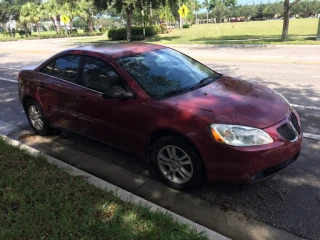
(58,91)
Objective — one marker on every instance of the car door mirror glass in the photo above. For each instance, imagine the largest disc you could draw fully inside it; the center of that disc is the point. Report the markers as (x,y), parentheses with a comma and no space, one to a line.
(117,92)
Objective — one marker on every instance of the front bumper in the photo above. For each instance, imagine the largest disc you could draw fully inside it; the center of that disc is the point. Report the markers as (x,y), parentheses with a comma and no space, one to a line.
(251,164)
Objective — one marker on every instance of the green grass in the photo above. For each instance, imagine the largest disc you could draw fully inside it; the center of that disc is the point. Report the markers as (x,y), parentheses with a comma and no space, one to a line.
(40,201)
(253,32)
(301,31)
(34,35)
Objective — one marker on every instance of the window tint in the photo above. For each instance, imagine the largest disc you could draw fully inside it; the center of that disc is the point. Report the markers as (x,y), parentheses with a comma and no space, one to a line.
(100,76)
(48,69)
(66,68)
(166,71)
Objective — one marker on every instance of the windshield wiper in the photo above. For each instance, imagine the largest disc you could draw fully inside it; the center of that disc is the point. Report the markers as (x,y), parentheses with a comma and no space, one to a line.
(206,81)
(174,92)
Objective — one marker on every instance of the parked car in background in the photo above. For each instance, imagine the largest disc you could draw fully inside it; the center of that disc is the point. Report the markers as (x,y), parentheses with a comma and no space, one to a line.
(190,122)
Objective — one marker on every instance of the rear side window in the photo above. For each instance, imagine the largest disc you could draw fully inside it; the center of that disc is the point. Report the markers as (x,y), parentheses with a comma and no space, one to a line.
(65,68)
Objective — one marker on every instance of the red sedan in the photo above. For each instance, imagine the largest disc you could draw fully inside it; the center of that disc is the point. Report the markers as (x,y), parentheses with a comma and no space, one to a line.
(190,122)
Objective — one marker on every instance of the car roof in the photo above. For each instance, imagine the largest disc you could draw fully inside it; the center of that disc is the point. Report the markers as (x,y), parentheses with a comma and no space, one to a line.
(117,50)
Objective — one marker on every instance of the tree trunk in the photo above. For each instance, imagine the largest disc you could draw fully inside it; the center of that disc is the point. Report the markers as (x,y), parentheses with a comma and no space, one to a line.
(38,31)
(129,11)
(180,19)
(318,34)
(196,17)
(151,13)
(59,23)
(26,29)
(70,25)
(286,18)
(90,27)
(54,24)
(207,17)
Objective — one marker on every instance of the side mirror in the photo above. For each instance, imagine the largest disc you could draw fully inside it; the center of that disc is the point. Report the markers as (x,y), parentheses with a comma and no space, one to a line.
(117,92)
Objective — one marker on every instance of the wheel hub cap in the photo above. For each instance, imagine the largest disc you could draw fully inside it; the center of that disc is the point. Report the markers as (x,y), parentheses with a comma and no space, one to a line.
(175,164)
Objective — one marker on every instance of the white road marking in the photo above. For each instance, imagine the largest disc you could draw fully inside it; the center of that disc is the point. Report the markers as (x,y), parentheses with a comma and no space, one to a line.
(315,76)
(306,107)
(312,136)
(8,80)
(10,68)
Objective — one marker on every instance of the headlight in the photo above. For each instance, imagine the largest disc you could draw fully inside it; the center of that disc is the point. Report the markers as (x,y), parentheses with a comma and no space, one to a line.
(236,135)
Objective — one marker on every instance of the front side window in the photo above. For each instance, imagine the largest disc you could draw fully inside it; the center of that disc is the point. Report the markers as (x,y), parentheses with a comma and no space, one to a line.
(66,68)
(100,76)
(167,72)
(48,69)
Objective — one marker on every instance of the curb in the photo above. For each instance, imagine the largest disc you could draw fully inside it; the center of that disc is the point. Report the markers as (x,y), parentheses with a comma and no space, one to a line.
(121,193)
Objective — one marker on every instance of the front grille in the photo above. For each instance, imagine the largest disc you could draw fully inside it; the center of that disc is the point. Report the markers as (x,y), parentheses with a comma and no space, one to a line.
(287,132)
(295,123)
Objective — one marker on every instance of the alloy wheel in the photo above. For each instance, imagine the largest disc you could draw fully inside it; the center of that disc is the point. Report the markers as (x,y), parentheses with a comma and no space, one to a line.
(35,117)
(175,164)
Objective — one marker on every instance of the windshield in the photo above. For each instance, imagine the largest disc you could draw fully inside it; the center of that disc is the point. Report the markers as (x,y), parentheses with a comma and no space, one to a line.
(165,72)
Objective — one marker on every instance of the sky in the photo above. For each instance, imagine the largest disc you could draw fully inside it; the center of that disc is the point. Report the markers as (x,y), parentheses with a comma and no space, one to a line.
(250,2)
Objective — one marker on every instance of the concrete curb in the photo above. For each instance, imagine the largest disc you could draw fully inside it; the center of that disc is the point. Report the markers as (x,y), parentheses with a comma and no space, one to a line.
(121,193)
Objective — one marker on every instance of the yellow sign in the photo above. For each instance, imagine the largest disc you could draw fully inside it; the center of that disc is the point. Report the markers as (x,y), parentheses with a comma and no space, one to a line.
(183,11)
(65,19)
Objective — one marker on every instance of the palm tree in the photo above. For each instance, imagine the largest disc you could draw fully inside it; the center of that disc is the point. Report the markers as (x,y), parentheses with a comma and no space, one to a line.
(50,10)
(206,5)
(166,13)
(196,7)
(30,13)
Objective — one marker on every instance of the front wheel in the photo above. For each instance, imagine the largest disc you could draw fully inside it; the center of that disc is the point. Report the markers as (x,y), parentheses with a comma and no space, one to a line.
(177,163)
(36,118)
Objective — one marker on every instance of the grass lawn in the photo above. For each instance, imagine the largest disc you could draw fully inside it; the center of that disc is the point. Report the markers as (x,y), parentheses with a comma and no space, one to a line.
(41,201)
(34,35)
(253,32)
(301,31)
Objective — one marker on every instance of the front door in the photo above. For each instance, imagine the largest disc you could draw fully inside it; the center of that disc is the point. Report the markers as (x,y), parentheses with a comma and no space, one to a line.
(108,120)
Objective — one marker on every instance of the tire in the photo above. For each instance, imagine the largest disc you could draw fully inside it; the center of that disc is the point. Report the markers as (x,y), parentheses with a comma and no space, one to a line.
(184,171)
(35,116)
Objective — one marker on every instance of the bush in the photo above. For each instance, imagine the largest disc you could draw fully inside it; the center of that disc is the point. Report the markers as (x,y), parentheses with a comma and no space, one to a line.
(22,33)
(138,37)
(121,33)
(117,34)
(186,26)
(163,28)
(103,29)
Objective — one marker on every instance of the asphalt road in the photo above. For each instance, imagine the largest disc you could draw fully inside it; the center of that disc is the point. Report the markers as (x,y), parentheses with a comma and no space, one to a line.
(290,200)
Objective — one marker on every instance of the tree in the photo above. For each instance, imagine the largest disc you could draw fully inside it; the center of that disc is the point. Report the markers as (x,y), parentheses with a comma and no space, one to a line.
(30,13)
(129,6)
(166,13)
(286,16)
(206,4)
(49,10)
(196,6)
(220,11)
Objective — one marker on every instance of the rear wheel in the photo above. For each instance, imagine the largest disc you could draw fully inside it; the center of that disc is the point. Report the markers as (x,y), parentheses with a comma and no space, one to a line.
(177,163)
(36,118)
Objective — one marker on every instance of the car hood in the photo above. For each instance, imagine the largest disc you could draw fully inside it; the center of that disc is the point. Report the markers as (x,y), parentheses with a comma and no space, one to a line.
(233,101)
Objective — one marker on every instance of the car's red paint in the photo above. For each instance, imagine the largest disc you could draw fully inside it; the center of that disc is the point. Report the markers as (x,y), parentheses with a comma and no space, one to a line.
(129,124)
